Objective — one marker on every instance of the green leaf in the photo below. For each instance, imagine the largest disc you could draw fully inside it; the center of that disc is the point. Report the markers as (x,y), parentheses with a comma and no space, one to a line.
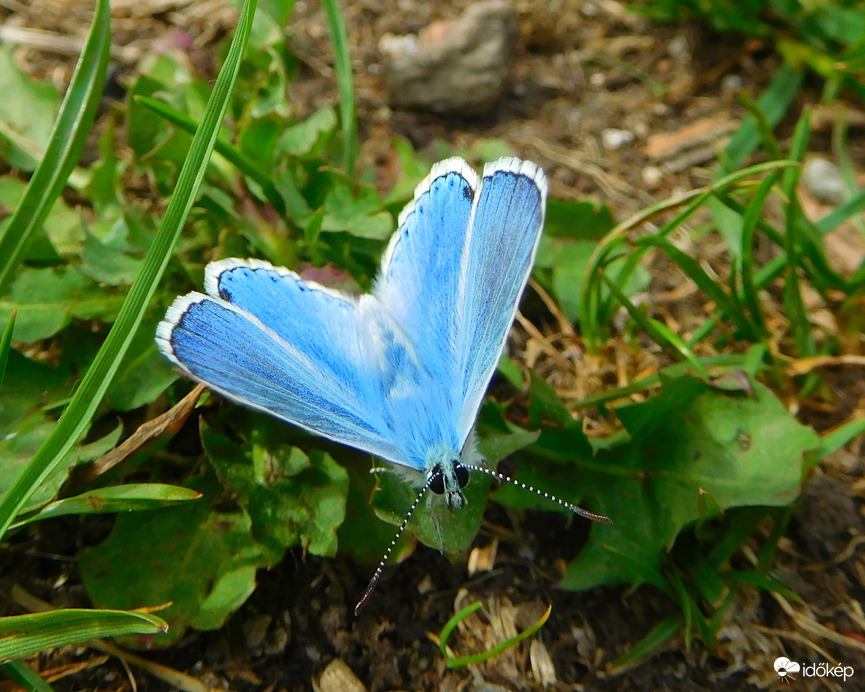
(28,678)
(579,220)
(358,212)
(25,635)
(433,523)
(131,497)
(310,136)
(291,497)
(48,299)
(201,559)
(26,114)
(26,421)
(569,272)
(89,394)
(107,265)
(689,440)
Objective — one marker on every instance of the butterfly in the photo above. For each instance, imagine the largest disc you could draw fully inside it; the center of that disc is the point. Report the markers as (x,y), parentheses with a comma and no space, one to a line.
(399,372)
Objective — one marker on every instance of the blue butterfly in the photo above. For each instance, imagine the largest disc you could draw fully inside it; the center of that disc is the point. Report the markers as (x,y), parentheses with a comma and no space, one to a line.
(400,372)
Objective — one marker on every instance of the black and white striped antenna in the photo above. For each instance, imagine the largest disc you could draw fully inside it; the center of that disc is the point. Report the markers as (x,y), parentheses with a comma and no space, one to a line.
(579,511)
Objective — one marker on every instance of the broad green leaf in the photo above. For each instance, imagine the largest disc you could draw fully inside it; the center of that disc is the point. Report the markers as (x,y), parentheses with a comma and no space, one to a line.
(688,440)
(310,136)
(27,112)
(582,220)
(357,211)
(201,559)
(24,635)
(28,404)
(48,299)
(291,497)
(107,265)
(62,230)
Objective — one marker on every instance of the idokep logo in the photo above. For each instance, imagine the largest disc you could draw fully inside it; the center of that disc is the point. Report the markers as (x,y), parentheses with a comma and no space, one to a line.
(788,670)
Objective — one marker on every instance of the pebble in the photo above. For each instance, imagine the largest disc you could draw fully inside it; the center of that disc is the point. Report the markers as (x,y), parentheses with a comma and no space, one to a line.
(459,67)
(613,138)
(823,178)
(732,83)
(338,677)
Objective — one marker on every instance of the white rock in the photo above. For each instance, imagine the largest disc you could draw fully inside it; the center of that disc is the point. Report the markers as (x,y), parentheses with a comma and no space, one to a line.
(454,67)
(612,138)
(824,179)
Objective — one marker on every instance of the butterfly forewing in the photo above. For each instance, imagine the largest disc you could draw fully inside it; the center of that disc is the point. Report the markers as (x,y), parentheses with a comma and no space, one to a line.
(503,237)
(420,272)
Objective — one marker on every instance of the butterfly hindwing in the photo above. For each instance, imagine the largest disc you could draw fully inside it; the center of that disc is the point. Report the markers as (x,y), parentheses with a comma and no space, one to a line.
(309,377)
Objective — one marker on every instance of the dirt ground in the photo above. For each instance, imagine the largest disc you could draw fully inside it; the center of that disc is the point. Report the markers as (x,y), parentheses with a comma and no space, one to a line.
(579,68)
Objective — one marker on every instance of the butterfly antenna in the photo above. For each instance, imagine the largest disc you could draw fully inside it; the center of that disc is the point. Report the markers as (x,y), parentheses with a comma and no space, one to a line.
(564,503)
(361,604)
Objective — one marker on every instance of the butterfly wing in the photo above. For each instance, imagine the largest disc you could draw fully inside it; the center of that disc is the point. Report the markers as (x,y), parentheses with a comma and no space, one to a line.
(498,255)
(419,278)
(268,340)
(454,272)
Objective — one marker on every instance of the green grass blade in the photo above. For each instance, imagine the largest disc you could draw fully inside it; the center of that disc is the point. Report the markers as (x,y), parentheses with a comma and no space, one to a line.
(713,289)
(26,676)
(681,347)
(130,497)
(95,383)
(345,83)
(232,154)
(590,301)
(660,634)
(836,438)
(461,661)
(67,140)
(749,223)
(762,126)
(25,635)
(6,345)
(774,102)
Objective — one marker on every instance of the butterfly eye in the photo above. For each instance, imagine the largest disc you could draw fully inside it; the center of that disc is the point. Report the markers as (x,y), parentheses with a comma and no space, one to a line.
(437,484)
(462,475)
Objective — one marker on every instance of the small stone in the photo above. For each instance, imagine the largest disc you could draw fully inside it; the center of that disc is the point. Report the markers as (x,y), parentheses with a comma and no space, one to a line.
(732,83)
(652,176)
(453,67)
(338,677)
(678,47)
(613,138)
(824,179)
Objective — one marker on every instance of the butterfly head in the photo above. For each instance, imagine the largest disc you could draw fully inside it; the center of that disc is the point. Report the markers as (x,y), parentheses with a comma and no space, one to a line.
(448,478)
